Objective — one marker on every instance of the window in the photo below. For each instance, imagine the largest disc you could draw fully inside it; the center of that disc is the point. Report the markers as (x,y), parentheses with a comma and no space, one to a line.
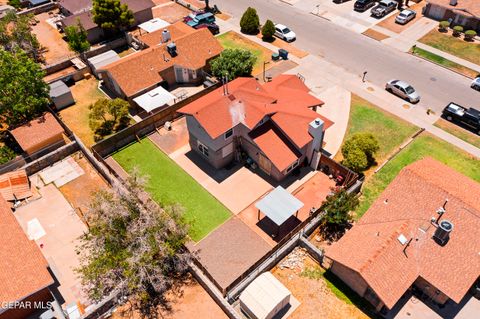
(202,148)
(294,164)
(228,133)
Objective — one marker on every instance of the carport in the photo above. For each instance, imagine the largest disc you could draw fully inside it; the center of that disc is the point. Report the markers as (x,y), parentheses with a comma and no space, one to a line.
(154,99)
(279,205)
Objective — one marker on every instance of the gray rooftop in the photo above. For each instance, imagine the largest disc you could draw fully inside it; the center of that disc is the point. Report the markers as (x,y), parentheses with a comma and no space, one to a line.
(279,205)
(58,89)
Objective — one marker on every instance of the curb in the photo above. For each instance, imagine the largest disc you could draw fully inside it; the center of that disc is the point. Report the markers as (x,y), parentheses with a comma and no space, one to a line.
(286,2)
(425,59)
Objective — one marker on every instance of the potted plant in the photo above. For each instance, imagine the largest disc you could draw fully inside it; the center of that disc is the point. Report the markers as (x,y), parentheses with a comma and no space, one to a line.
(443,25)
(457,30)
(469,35)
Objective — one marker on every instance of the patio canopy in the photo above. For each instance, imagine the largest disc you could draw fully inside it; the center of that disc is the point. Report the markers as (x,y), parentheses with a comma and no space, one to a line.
(154,99)
(153,25)
(279,205)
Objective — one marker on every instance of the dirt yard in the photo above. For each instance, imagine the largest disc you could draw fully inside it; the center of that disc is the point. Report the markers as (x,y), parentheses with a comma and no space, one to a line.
(193,302)
(52,40)
(85,93)
(375,35)
(317,301)
(170,12)
(287,46)
(389,23)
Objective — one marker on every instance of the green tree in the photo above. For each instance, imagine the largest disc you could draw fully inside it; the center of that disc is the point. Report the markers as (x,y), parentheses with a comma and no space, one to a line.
(107,116)
(268,30)
(250,22)
(337,207)
(15,34)
(134,248)
(17,4)
(112,15)
(77,38)
(358,151)
(23,93)
(233,63)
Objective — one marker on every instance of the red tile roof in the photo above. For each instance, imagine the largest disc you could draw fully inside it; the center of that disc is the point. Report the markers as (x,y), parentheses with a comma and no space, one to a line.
(23,269)
(406,206)
(464,7)
(139,71)
(15,185)
(37,131)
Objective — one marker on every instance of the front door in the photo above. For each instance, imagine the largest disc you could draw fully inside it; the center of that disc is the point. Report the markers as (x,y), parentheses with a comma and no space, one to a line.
(264,164)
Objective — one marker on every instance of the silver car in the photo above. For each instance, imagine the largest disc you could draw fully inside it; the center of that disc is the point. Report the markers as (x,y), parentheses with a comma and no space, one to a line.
(405,16)
(403,90)
(476,84)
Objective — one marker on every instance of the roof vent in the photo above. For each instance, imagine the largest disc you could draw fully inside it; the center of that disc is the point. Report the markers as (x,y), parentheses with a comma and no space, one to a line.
(453,2)
(402,239)
(442,233)
(166,36)
(172,49)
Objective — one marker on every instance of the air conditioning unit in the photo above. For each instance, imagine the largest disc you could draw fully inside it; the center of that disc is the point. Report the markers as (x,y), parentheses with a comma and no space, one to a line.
(453,2)
(168,125)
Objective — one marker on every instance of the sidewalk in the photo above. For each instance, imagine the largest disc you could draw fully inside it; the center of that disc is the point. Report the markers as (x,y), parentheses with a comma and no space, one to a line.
(450,57)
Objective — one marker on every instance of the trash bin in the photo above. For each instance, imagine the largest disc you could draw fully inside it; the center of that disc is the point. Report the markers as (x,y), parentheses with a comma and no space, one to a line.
(275,56)
(283,54)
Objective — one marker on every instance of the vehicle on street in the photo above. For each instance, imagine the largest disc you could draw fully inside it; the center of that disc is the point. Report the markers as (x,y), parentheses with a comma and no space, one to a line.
(363,5)
(403,90)
(201,19)
(476,83)
(405,16)
(383,8)
(284,33)
(212,27)
(456,113)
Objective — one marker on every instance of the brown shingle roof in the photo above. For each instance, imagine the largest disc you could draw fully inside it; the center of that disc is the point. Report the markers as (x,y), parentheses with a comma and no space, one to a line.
(139,71)
(23,269)
(372,249)
(37,131)
(471,6)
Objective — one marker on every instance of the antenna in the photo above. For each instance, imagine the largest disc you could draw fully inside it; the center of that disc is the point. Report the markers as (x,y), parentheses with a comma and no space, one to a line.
(441,211)
(226,84)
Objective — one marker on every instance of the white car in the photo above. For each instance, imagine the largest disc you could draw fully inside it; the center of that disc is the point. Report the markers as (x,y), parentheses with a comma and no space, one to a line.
(284,33)
(476,83)
(405,16)
(403,90)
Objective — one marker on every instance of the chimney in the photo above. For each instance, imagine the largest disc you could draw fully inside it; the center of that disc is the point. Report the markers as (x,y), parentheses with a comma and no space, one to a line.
(172,49)
(166,36)
(315,128)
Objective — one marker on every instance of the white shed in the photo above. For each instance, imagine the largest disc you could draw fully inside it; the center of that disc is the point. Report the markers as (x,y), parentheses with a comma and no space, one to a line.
(60,95)
(153,25)
(264,297)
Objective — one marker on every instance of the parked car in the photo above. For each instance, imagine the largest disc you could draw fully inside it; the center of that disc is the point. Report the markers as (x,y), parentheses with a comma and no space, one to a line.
(383,8)
(456,113)
(405,16)
(403,90)
(212,27)
(363,5)
(284,33)
(476,83)
(201,19)
(192,15)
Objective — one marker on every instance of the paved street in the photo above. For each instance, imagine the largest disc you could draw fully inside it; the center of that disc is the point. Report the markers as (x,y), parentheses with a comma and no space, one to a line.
(356,53)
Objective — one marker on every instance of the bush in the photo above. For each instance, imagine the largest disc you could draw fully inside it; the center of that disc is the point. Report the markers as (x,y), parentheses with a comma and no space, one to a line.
(268,30)
(233,63)
(250,22)
(6,154)
(443,25)
(457,30)
(470,34)
(358,151)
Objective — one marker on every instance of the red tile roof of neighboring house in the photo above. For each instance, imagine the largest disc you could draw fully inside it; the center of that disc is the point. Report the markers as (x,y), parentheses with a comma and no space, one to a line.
(472,7)
(286,100)
(23,269)
(177,30)
(37,131)
(139,71)
(406,206)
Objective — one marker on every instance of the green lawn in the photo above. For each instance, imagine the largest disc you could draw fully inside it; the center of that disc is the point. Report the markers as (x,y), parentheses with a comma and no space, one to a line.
(390,130)
(455,46)
(234,40)
(423,146)
(459,132)
(446,63)
(169,183)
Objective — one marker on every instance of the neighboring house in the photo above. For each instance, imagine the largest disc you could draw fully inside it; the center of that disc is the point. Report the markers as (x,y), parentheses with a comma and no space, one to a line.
(39,134)
(465,12)
(142,12)
(181,58)
(24,275)
(275,124)
(422,234)
(71,7)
